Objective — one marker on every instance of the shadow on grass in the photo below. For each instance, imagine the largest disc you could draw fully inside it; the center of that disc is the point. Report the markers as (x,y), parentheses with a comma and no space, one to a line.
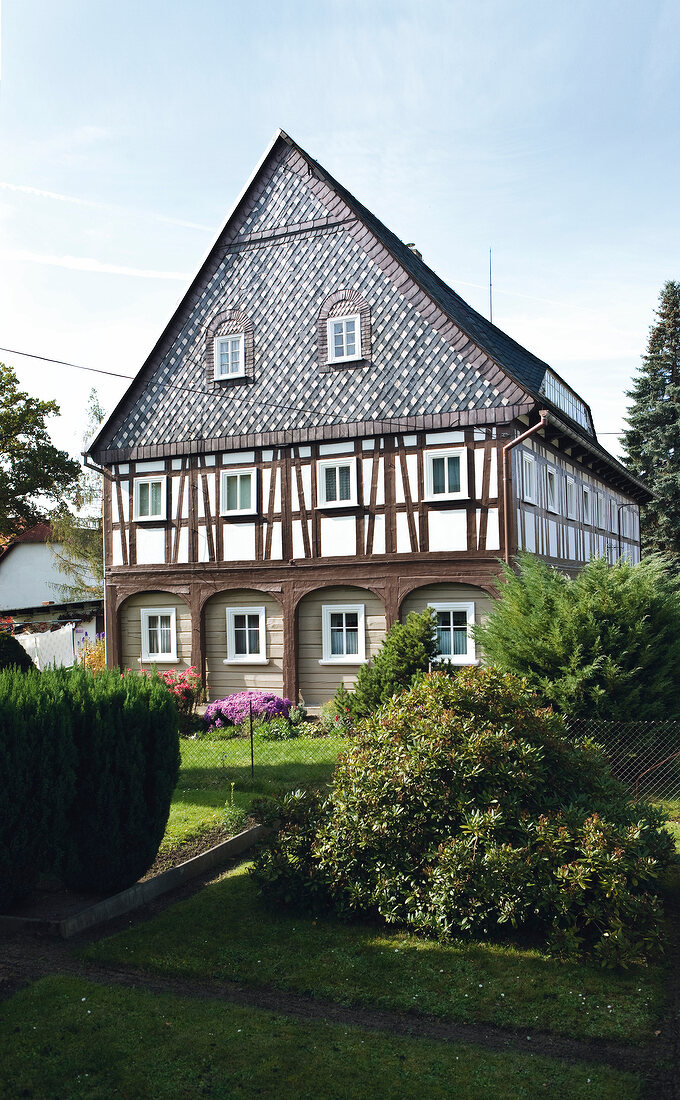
(266,778)
(227,932)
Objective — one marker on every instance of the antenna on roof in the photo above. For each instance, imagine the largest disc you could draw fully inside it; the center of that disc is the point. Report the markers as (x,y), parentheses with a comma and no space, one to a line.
(490,291)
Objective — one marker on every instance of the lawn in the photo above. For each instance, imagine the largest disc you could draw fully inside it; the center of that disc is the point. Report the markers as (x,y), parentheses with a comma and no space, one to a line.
(226,932)
(209,767)
(67,1037)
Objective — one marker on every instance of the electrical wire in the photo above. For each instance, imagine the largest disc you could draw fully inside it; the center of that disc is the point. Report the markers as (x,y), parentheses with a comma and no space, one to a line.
(173,385)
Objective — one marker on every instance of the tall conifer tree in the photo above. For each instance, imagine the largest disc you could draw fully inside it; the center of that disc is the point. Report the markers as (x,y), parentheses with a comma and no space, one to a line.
(652,442)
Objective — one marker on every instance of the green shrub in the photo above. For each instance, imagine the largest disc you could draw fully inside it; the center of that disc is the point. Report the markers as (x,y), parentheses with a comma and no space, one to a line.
(37,770)
(13,654)
(406,653)
(278,729)
(460,807)
(127,746)
(604,645)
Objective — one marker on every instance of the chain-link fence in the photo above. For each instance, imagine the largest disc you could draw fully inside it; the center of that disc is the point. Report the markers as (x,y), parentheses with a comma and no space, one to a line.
(643,755)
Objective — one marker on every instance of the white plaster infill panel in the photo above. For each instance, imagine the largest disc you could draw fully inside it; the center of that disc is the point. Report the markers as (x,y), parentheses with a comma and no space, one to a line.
(493,539)
(238,541)
(150,545)
(448,530)
(403,537)
(338,536)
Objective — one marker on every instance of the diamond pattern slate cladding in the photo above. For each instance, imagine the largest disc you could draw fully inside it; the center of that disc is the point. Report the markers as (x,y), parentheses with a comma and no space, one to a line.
(284,201)
(280,285)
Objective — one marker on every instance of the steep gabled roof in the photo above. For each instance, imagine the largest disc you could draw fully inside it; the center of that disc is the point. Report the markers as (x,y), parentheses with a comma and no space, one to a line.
(501,357)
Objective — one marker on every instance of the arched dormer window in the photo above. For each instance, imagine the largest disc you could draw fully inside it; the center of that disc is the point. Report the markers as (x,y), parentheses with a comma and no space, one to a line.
(344,331)
(230,348)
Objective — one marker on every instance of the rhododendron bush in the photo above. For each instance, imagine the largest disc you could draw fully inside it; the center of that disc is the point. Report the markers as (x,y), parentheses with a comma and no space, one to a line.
(237,708)
(463,807)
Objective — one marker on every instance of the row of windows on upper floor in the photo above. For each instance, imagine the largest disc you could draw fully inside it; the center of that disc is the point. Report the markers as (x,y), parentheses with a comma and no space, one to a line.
(343,343)
(343,632)
(445,479)
(561,496)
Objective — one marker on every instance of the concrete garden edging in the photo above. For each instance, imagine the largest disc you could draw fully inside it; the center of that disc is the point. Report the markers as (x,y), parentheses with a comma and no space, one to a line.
(142,892)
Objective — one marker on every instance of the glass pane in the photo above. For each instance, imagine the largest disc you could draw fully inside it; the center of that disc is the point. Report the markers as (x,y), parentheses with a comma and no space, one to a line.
(444,633)
(152,627)
(166,640)
(351,632)
(224,358)
(245,482)
(235,346)
(350,338)
(143,499)
(329,474)
(454,474)
(232,492)
(337,634)
(438,476)
(155,498)
(338,341)
(344,482)
(459,641)
(253,633)
(240,642)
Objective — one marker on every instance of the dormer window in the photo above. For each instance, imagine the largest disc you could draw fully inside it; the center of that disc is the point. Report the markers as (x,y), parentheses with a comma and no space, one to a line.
(344,338)
(229,356)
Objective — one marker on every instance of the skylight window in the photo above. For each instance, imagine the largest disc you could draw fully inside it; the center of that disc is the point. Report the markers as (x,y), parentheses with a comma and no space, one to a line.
(566,400)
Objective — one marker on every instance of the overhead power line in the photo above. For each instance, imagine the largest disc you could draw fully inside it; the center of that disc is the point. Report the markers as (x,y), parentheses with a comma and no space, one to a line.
(171,385)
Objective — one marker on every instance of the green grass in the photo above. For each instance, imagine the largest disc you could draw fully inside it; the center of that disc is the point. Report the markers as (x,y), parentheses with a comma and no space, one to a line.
(226,932)
(671,807)
(210,766)
(64,1037)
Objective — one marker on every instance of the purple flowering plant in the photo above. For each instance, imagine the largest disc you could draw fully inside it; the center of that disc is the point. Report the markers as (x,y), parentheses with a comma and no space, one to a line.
(234,709)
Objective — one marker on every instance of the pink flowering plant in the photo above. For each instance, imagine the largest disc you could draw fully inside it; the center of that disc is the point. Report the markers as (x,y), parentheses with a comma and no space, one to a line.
(235,709)
(186,688)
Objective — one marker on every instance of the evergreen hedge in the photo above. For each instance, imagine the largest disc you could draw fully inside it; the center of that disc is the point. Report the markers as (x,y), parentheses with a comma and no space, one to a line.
(125,730)
(37,773)
(88,765)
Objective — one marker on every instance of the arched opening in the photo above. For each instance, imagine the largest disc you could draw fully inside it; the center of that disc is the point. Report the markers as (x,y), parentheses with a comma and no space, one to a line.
(243,642)
(458,608)
(155,630)
(338,630)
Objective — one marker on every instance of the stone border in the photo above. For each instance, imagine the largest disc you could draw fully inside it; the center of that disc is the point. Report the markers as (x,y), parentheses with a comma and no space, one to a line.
(142,892)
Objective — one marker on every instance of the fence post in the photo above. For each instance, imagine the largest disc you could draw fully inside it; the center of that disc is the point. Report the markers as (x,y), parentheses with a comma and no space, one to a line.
(252,755)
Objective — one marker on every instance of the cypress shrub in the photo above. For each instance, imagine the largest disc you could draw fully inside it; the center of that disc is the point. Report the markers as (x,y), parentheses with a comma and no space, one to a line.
(37,778)
(406,653)
(127,745)
(12,654)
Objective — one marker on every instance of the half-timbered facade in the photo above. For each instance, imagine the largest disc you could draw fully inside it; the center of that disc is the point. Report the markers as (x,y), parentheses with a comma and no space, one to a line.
(324,438)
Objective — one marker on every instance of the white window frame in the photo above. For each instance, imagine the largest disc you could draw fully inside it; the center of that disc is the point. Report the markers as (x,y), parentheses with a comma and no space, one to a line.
(571,512)
(552,502)
(231,471)
(613,516)
(158,658)
(328,463)
(222,376)
(599,513)
(139,481)
(328,658)
(457,452)
(528,477)
(587,504)
(468,658)
(332,357)
(234,658)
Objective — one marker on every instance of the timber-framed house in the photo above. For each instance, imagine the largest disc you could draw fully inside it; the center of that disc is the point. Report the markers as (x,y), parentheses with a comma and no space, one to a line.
(324,438)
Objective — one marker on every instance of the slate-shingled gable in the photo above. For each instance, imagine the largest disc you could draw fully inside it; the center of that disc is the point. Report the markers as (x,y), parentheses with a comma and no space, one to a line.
(278,272)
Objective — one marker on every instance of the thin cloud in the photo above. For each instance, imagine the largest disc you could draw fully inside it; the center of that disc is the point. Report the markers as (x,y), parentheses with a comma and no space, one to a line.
(75,200)
(86,263)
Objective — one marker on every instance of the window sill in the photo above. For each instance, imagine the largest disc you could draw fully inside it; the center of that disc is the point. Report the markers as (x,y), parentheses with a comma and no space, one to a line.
(149,519)
(159,659)
(446,498)
(239,515)
(344,661)
(245,661)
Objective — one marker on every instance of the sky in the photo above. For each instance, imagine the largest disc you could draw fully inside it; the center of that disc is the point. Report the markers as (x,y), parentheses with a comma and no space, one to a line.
(547,133)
